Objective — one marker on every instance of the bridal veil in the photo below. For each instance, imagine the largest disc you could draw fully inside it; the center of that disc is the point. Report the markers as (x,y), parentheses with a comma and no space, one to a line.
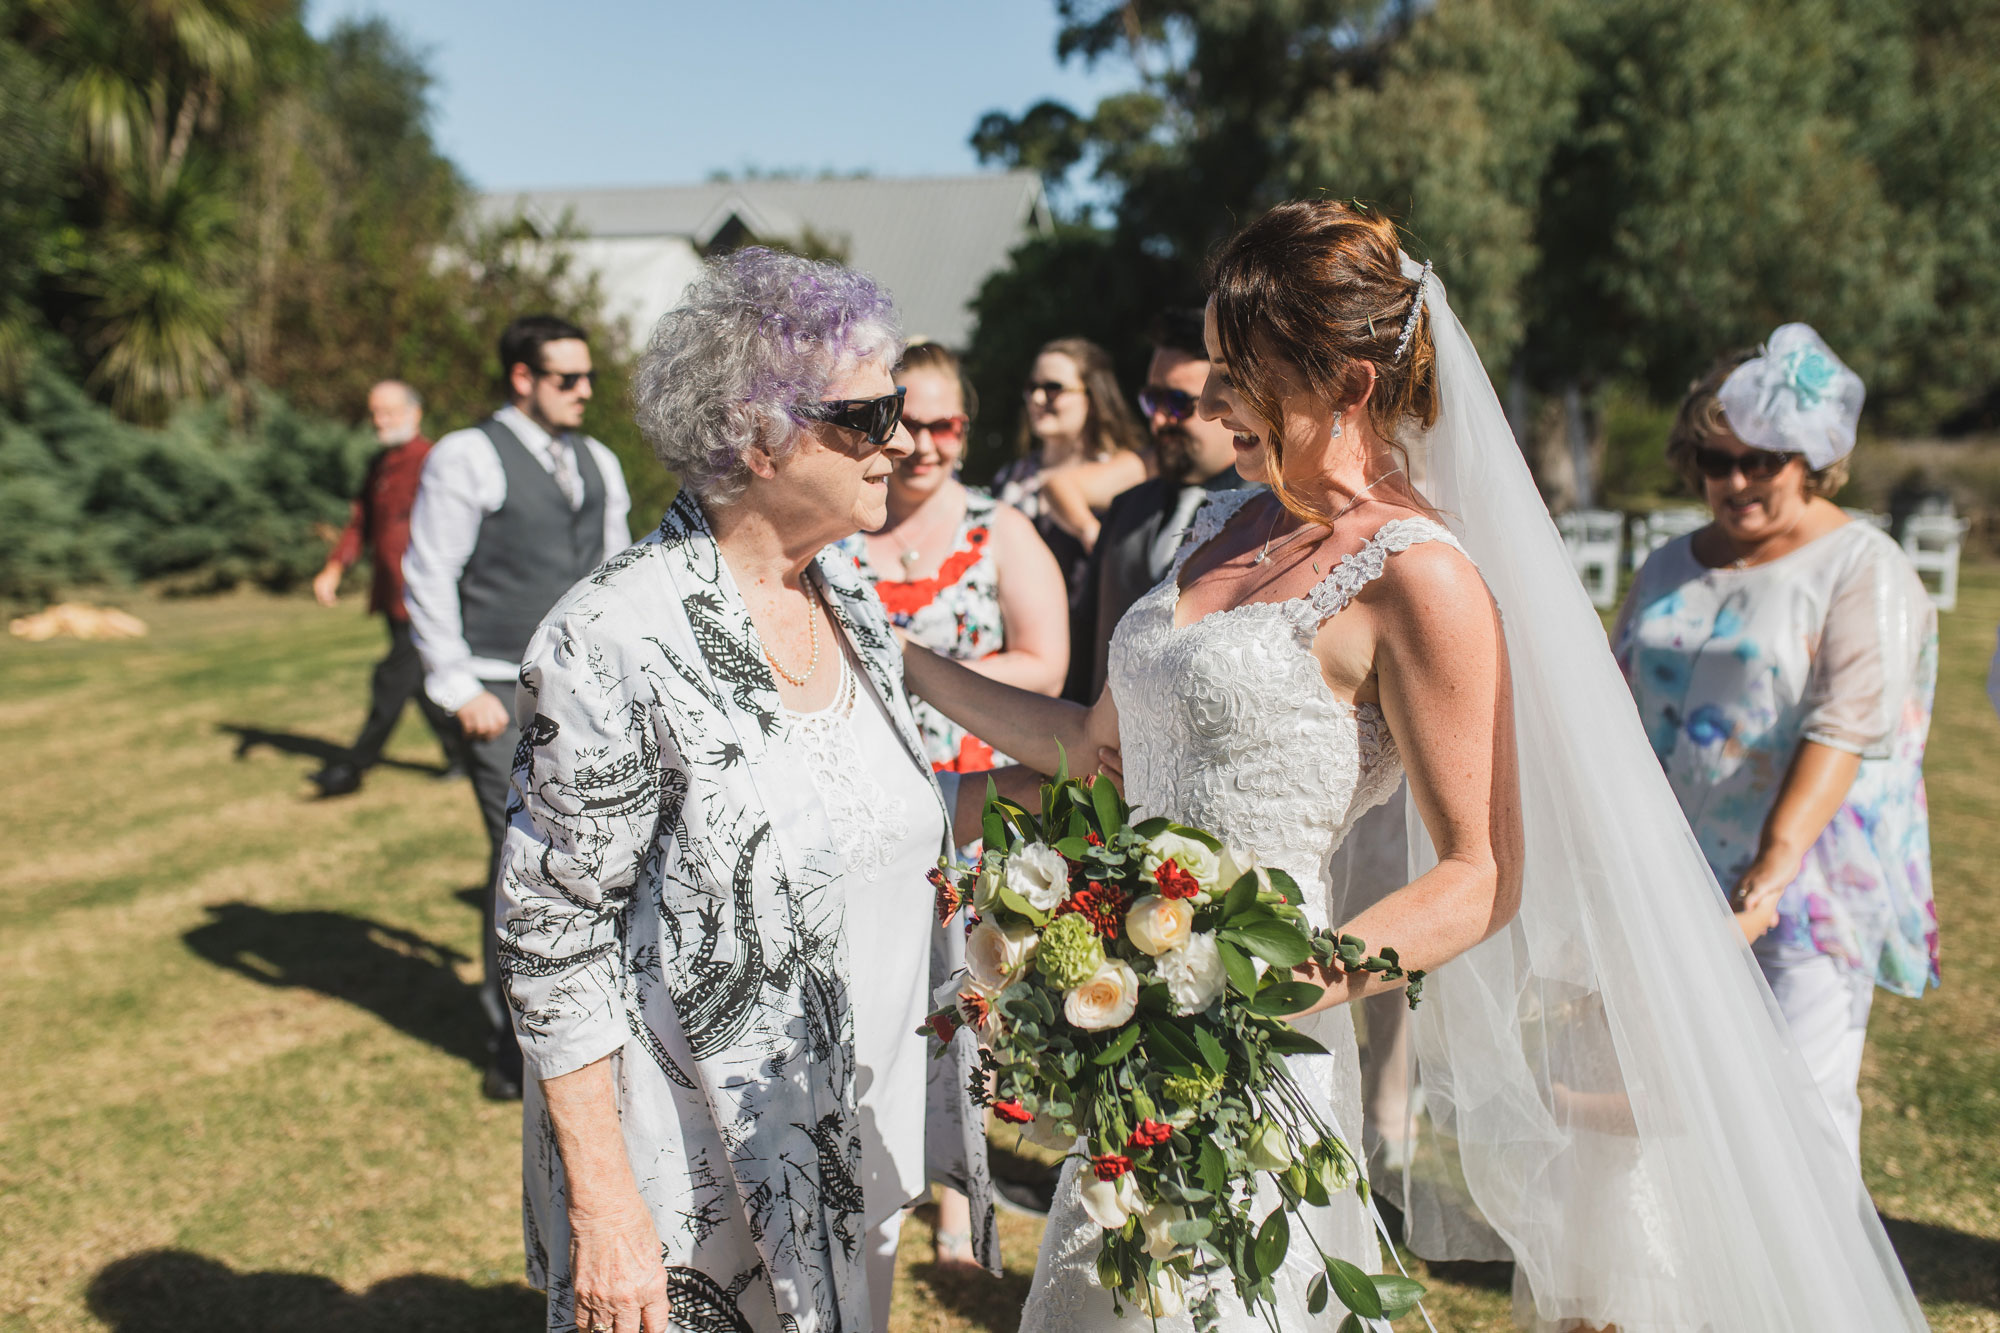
(1611,1099)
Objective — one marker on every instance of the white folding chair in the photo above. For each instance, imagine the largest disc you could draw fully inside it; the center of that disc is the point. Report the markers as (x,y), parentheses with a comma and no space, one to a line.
(1933,543)
(1662,526)
(1596,542)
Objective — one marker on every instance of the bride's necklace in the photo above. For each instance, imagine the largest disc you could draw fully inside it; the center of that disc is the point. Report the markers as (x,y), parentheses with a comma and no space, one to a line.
(812,628)
(1265,554)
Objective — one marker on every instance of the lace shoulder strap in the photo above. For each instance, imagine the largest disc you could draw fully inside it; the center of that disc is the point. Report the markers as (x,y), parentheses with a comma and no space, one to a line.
(1364,566)
(1210,519)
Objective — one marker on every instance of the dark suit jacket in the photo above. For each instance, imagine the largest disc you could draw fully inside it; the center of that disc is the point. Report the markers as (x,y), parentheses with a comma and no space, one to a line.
(1120,573)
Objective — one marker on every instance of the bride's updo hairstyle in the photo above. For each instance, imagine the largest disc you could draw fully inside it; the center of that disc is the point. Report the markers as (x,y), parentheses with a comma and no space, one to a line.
(1320,285)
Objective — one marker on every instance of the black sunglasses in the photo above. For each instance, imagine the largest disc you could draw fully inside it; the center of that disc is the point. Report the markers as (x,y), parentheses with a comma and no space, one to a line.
(875,418)
(1050,389)
(1757,465)
(567,379)
(1173,404)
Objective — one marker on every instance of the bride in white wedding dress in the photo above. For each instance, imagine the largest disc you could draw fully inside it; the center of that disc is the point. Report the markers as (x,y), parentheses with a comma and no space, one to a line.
(1610,1101)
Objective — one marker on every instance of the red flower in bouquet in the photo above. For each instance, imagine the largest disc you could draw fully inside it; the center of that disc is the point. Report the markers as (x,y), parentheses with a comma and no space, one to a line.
(949,897)
(1175,882)
(1110,1166)
(1103,905)
(973,1008)
(1149,1134)
(1012,1112)
(943,1025)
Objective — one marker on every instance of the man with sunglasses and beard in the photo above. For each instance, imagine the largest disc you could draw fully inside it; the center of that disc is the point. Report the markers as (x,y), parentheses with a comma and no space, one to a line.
(1145,524)
(510,514)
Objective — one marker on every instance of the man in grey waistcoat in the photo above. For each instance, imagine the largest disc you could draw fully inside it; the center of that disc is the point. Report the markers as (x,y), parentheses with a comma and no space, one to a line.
(509,514)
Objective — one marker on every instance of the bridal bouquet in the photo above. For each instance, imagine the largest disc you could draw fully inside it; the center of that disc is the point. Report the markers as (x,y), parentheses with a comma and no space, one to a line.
(1129,986)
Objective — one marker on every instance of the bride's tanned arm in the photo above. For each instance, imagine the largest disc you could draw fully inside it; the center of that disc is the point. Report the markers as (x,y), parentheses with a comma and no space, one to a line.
(1441,663)
(1033,728)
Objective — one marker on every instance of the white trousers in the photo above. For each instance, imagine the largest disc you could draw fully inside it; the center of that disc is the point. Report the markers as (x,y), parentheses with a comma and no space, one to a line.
(1826,1007)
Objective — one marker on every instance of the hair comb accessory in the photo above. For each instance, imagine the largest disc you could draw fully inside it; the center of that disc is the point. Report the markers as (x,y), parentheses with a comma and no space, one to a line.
(1416,308)
(1796,397)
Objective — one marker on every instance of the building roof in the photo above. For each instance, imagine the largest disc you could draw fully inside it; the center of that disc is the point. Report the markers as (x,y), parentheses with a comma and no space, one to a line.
(931,240)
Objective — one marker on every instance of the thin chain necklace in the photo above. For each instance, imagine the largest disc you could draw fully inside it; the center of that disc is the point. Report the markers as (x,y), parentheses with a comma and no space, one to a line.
(1265,554)
(812,627)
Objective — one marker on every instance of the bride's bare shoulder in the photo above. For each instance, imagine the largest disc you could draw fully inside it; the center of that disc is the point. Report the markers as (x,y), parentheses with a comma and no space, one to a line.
(1431,590)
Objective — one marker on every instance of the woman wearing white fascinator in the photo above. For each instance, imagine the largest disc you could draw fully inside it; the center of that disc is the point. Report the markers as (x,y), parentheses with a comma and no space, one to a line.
(1783,659)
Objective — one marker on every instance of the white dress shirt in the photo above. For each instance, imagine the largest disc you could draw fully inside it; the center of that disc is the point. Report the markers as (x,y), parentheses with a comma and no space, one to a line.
(463,483)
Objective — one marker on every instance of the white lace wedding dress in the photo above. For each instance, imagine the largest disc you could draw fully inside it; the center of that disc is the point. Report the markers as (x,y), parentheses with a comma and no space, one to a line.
(1228,725)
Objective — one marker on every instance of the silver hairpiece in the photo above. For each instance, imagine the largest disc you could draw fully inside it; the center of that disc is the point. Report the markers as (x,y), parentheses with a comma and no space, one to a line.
(1416,308)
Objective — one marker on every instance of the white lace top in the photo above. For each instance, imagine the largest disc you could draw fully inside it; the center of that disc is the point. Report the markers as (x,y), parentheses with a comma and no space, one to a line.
(1227,724)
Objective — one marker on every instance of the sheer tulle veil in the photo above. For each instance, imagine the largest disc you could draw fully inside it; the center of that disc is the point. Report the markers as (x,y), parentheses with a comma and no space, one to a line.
(1610,1097)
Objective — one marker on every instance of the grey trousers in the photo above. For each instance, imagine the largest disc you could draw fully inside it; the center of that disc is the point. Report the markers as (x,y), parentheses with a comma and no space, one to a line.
(491,766)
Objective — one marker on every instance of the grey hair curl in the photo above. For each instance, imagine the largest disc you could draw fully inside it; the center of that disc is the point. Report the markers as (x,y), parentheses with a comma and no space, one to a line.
(746,356)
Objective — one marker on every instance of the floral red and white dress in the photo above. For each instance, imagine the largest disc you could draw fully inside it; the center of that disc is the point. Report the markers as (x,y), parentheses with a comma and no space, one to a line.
(955,612)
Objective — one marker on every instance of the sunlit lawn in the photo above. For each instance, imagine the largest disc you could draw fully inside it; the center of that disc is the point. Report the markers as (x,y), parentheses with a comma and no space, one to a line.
(241,1089)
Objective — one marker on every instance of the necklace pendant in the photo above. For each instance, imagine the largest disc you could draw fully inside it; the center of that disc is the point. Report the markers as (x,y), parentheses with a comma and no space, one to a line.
(1261,556)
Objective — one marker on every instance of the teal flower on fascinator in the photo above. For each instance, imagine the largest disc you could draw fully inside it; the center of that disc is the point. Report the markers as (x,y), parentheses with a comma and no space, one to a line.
(1795,397)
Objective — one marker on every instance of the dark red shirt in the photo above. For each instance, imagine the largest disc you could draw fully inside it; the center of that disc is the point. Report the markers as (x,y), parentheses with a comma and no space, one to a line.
(380,522)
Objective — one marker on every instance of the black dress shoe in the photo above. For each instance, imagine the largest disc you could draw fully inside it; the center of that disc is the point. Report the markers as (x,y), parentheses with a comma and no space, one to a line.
(338,779)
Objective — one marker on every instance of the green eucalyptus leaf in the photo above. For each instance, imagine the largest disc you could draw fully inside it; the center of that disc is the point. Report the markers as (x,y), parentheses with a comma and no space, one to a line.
(1355,1289)
(1316,1294)
(1120,1046)
(1241,974)
(1289,1040)
(1014,902)
(1211,1051)
(1109,808)
(1073,847)
(1277,943)
(1166,1041)
(1398,1294)
(1273,1239)
(1241,897)
(1152,828)
(1286,997)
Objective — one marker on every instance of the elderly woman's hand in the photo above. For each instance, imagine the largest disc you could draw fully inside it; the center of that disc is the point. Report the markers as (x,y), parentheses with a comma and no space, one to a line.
(615,1263)
(1755,898)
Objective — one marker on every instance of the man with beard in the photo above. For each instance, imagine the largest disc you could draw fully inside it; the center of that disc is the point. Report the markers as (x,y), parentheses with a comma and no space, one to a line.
(1144,526)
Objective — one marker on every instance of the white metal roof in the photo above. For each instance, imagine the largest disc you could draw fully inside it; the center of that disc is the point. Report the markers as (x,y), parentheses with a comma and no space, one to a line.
(930,240)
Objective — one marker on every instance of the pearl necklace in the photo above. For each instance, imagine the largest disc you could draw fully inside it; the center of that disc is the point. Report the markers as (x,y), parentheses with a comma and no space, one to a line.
(812,628)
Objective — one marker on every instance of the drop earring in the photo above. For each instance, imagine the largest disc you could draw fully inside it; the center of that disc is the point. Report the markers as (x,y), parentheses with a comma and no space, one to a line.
(1336,427)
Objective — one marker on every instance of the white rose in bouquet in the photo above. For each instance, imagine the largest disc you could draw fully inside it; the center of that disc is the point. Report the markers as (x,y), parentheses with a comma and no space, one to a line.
(1039,874)
(1235,864)
(995,954)
(1163,1298)
(1111,1202)
(1107,1000)
(1158,1222)
(1046,1133)
(1197,858)
(1193,973)
(992,874)
(1156,924)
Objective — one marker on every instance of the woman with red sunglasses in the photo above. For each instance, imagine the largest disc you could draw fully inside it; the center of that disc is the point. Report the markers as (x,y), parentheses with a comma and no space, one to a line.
(1783,660)
(958,571)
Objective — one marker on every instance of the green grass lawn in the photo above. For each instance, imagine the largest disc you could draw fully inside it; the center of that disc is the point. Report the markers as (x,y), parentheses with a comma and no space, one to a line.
(242,1091)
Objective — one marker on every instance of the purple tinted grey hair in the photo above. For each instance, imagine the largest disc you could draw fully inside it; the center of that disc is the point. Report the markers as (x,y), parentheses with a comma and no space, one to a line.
(747,355)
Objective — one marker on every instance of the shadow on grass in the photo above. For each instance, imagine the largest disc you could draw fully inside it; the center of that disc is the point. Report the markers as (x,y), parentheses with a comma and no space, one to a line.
(1947,1266)
(311,747)
(166,1291)
(409,982)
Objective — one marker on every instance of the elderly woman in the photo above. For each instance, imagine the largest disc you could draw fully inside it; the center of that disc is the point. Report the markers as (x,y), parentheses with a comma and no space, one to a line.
(1783,659)
(714,915)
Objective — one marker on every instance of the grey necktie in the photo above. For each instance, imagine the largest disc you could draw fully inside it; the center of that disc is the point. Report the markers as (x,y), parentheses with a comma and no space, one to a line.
(562,453)
(1174,527)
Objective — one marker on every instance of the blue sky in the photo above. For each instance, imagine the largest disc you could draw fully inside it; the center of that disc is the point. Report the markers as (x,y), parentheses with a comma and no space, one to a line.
(647,92)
